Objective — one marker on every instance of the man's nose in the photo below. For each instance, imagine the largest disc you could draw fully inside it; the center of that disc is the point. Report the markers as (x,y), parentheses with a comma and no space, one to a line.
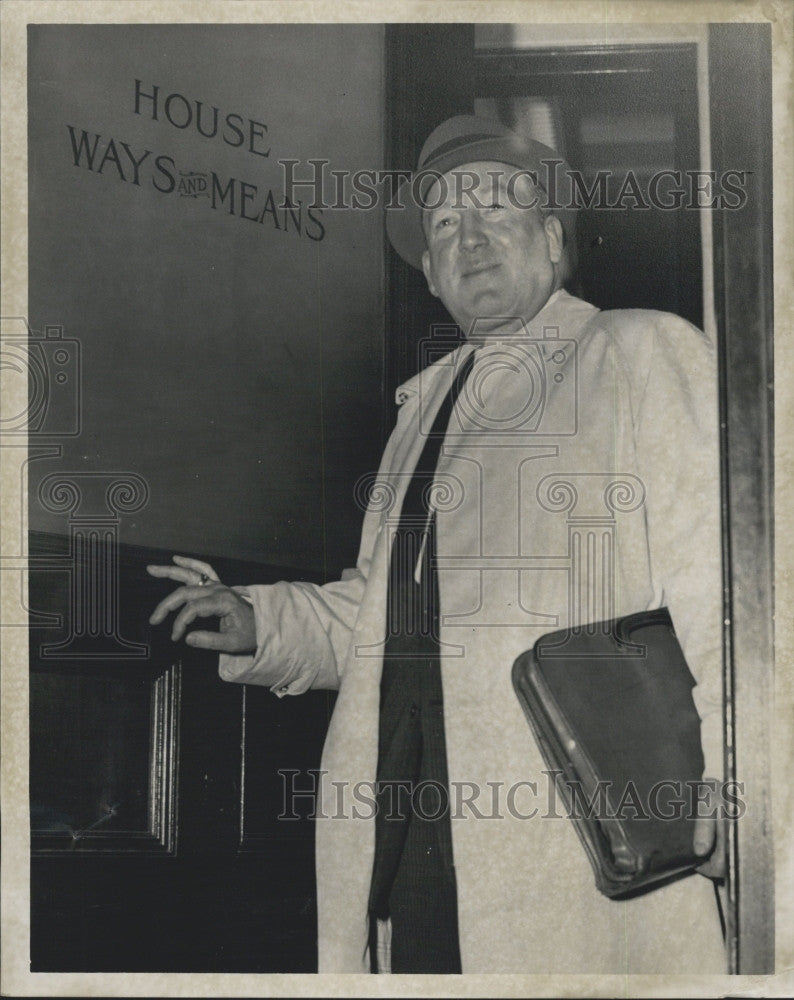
(471,231)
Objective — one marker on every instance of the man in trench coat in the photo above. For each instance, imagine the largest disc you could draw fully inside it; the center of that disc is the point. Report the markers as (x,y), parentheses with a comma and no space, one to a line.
(577,481)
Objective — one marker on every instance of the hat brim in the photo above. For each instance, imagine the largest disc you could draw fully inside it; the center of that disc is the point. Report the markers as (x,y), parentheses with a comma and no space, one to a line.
(404,220)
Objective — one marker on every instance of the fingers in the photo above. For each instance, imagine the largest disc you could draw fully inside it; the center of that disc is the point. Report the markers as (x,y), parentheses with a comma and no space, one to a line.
(710,839)
(197,566)
(223,642)
(172,573)
(174,601)
(188,571)
(705,835)
(201,607)
(718,861)
(715,867)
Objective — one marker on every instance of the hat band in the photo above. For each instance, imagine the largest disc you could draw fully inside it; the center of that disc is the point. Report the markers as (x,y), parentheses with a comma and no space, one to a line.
(460,143)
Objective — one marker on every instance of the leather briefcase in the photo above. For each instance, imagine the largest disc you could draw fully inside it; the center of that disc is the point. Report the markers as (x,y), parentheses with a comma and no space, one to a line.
(611,708)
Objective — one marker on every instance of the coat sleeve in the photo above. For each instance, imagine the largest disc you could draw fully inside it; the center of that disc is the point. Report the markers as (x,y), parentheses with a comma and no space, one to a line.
(677,442)
(302,632)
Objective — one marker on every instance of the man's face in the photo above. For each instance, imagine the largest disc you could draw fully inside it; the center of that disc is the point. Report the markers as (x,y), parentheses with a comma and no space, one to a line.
(487,256)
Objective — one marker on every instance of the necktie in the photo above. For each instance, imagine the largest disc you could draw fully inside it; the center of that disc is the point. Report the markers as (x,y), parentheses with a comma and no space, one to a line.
(413,877)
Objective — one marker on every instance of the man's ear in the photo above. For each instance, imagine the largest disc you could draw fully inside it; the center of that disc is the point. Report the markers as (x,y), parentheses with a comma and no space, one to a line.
(428,269)
(555,237)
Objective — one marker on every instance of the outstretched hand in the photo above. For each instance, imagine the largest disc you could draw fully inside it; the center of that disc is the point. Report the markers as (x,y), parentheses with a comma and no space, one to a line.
(204,596)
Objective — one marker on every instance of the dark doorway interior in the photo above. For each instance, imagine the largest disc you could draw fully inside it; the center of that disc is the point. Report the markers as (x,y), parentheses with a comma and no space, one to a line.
(620,116)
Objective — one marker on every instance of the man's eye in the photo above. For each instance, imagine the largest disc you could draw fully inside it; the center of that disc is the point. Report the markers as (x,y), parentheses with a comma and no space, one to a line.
(445,221)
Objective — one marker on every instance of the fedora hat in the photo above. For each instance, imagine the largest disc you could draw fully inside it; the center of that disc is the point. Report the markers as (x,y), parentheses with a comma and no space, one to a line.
(468,139)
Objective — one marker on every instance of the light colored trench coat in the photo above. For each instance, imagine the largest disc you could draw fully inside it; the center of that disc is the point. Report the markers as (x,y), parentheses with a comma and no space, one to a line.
(578,481)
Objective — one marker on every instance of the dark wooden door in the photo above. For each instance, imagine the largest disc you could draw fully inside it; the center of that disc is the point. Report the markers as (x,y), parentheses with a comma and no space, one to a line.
(161,837)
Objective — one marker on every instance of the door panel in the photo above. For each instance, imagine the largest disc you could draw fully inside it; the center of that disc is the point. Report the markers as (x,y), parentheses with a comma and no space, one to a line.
(103,758)
(156,795)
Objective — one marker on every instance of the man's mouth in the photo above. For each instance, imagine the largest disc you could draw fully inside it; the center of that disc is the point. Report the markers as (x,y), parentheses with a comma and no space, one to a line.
(480,268)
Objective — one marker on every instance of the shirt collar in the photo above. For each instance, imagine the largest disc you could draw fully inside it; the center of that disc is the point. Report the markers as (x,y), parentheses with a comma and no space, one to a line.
(549,316)
(449,362)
